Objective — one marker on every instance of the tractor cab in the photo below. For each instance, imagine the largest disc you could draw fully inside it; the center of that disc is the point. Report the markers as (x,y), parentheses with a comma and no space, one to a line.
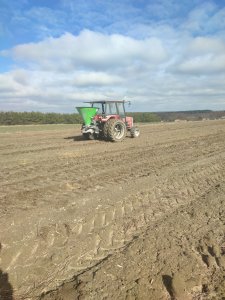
(106,108)
(106,120)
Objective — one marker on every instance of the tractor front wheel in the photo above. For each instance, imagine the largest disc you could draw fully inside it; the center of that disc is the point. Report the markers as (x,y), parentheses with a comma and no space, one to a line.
(134,132)
(116,130)
(89,136)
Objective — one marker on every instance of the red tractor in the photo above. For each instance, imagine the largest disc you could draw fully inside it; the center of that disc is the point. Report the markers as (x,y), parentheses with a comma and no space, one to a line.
(107,120)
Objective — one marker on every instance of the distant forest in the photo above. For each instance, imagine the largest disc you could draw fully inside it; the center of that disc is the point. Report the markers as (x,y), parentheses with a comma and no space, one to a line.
(25,118)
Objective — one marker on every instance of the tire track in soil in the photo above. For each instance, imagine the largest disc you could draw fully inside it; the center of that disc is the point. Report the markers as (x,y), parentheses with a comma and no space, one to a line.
(97,241)
(43,182)
(196,266)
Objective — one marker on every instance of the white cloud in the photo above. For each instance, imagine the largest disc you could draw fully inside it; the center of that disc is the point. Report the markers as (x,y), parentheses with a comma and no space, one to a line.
(202,55)
(95,79)
(206,18)
(89,50)
(203,65)
(199,16)
(202,45)
(169,70)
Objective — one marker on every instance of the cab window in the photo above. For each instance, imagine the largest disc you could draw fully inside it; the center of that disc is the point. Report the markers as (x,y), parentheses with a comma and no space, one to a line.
(111,109)
(120,109)
(99,106)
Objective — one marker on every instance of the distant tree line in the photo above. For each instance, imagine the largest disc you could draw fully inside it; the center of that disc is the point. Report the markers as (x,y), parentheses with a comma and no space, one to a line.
(193,115)
(25,118)
(144,117)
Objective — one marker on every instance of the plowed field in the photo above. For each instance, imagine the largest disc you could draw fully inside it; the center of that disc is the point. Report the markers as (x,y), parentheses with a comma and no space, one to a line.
(141,219)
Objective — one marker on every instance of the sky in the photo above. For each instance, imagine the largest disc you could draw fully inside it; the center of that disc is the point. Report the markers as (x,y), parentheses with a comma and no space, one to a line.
(162,55)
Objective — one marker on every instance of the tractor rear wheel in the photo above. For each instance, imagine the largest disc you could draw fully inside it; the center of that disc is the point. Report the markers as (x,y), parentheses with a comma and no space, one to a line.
(116,130)
(134,132)
(105,130)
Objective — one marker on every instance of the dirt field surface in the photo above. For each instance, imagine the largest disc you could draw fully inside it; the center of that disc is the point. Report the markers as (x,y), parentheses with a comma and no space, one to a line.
(141,219)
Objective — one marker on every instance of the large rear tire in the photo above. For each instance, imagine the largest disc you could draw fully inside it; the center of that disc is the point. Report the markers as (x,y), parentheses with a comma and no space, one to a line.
(105,130)
(116,130)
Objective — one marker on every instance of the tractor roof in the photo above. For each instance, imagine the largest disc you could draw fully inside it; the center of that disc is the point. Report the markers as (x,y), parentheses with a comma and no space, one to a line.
(106,101)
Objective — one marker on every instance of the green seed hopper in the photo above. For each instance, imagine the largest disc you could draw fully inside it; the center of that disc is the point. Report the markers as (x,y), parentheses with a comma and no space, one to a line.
(87,113)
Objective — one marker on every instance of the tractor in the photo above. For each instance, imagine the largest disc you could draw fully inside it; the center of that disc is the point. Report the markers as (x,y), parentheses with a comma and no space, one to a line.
(107,120)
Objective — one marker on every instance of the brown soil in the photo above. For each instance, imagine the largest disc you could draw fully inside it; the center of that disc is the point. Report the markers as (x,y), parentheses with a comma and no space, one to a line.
(141,219)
